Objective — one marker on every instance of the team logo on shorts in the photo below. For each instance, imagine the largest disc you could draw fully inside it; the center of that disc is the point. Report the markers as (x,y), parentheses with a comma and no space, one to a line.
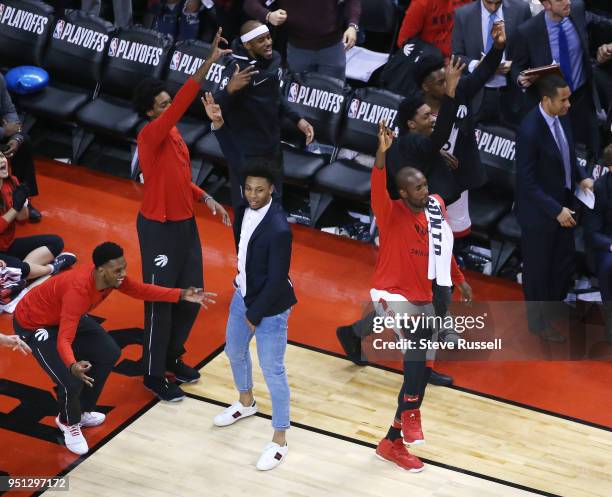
(176,60)
(354,108)
(41,335)
(59,28)
(293,92)
(112,49)
(161,260)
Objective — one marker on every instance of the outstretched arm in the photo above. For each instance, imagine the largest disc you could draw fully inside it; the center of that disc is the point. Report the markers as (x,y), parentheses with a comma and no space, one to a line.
(446,117)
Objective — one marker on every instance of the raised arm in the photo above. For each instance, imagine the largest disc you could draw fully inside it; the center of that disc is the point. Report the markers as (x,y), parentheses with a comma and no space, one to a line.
(448,109)
(231,152)
(380,200)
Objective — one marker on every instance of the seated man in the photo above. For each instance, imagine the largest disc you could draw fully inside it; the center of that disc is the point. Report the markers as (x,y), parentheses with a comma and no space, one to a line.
(70,345)
(598,233)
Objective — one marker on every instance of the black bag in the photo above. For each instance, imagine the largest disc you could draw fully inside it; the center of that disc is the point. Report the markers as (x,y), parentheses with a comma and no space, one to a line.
(397,75)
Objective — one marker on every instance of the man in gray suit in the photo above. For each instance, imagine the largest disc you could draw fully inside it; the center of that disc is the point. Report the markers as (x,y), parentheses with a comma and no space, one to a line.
(472,39)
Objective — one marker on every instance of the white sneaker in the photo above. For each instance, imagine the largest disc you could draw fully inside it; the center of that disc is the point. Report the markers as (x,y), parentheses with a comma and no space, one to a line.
(272,455)
(89,419)
(233,413)
(74,439)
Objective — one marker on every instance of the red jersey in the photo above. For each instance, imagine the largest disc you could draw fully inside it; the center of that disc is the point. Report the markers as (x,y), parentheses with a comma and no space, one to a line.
(7,230)
(164,160)
(403,258)
(65,298)
(432,21)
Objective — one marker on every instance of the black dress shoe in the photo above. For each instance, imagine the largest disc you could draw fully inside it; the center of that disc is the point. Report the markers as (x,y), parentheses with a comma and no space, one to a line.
(35,215)
(351,344)
(439,379)
(551,335)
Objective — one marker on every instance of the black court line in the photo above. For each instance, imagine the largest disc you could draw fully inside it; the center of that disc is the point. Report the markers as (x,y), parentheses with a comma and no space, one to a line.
(356,441)
(465,390)
(126,423)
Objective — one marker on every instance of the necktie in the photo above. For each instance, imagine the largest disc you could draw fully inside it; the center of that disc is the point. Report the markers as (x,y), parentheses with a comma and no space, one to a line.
(564,56)
(565,155)
(492,18)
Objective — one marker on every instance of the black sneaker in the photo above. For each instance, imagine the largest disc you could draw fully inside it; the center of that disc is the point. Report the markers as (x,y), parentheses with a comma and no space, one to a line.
(351,344)
(183,373)
(63,261)
(34,214)
(164,389)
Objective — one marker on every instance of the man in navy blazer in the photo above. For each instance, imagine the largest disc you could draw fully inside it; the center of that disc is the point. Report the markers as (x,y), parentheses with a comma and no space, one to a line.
(546,172)
(559,34)
(264,293)
(500,98)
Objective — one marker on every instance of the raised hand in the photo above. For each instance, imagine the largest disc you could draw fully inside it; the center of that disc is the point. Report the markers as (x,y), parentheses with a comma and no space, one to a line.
(499,34)
(453,74)
(385,139)
(213,110)
(240,79)
(215,52)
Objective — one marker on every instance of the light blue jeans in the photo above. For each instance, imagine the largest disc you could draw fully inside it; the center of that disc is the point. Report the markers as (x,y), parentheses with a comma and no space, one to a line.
(271,338)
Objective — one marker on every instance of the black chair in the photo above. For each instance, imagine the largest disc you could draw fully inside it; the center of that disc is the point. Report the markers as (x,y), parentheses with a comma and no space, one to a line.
(23,43)
(301,166)
(347,178)
(73,58)
(134,54)
(381,16)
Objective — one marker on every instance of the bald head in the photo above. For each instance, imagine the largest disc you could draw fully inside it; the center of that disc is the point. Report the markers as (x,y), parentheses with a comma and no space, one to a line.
(406,176)
(412,188)
(249,26)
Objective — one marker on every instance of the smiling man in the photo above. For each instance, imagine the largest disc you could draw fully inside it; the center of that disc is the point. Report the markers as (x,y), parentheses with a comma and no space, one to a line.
(72,347)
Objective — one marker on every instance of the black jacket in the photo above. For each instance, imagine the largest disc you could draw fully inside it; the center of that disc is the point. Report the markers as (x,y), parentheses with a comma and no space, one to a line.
(269,288)
(254,113)
(597,222)
(423,152)
(471,172)
(540,177)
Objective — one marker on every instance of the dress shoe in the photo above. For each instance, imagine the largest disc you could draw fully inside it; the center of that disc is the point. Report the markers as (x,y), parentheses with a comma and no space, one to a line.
(440,379)
(34,214)
(351,344)
(551,335)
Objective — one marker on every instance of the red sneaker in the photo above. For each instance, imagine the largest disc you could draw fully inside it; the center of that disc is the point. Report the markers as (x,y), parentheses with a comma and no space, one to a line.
(411,427)
(397,453)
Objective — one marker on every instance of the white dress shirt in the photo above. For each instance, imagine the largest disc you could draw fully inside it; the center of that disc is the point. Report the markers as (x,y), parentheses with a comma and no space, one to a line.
(497,80)
(250,221)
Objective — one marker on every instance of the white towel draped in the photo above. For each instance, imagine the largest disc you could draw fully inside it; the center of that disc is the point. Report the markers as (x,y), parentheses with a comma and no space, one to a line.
(440,244)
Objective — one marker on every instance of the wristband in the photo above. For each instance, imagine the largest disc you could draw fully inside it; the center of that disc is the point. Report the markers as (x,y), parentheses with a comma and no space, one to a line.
(207,198)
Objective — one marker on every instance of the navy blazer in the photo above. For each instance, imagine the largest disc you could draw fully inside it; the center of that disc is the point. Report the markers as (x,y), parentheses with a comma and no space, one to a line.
(540,175)
(269,288)
(532,47)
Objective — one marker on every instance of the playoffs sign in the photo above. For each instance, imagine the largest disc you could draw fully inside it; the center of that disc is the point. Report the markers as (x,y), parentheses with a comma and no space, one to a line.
(80,36)
(135,52)
(315,98)
(22,19)
(189,64)
(371,113)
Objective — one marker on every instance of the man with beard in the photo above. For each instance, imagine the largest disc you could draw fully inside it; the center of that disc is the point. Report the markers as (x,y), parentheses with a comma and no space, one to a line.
(251,98)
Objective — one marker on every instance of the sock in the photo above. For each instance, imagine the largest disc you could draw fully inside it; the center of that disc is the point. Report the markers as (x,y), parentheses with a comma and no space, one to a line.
(395,431)
(411,402)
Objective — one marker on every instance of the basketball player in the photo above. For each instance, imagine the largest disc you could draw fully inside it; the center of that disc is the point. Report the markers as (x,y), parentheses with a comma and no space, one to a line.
(72,347)
(170,249)
(264,293)
(402,285)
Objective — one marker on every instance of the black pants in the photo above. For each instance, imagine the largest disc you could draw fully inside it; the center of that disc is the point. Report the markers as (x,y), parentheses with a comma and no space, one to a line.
(21,247)
(91,343)
(22,164)
(583,118)
(171,257)
(548,264)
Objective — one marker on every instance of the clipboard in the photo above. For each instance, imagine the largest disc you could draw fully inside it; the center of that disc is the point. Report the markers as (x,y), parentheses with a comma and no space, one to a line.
(542,71)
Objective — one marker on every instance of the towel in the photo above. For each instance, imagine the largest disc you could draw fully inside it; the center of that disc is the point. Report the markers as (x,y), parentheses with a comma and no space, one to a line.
(440,243)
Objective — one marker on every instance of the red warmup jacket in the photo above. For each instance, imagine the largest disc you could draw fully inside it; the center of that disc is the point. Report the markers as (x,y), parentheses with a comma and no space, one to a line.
(403,258)
(432,21)
(7,230)
(65,298)
(164,159)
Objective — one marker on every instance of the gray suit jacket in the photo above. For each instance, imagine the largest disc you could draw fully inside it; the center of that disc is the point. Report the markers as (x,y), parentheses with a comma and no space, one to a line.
(467,33)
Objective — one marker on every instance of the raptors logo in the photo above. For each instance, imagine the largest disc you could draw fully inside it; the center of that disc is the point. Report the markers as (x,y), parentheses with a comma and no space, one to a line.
(176,61)
(408,48)
(354,108)
(161,260)
(41,334)
(462,111)
(59,29)
(112,49)
(293,92)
